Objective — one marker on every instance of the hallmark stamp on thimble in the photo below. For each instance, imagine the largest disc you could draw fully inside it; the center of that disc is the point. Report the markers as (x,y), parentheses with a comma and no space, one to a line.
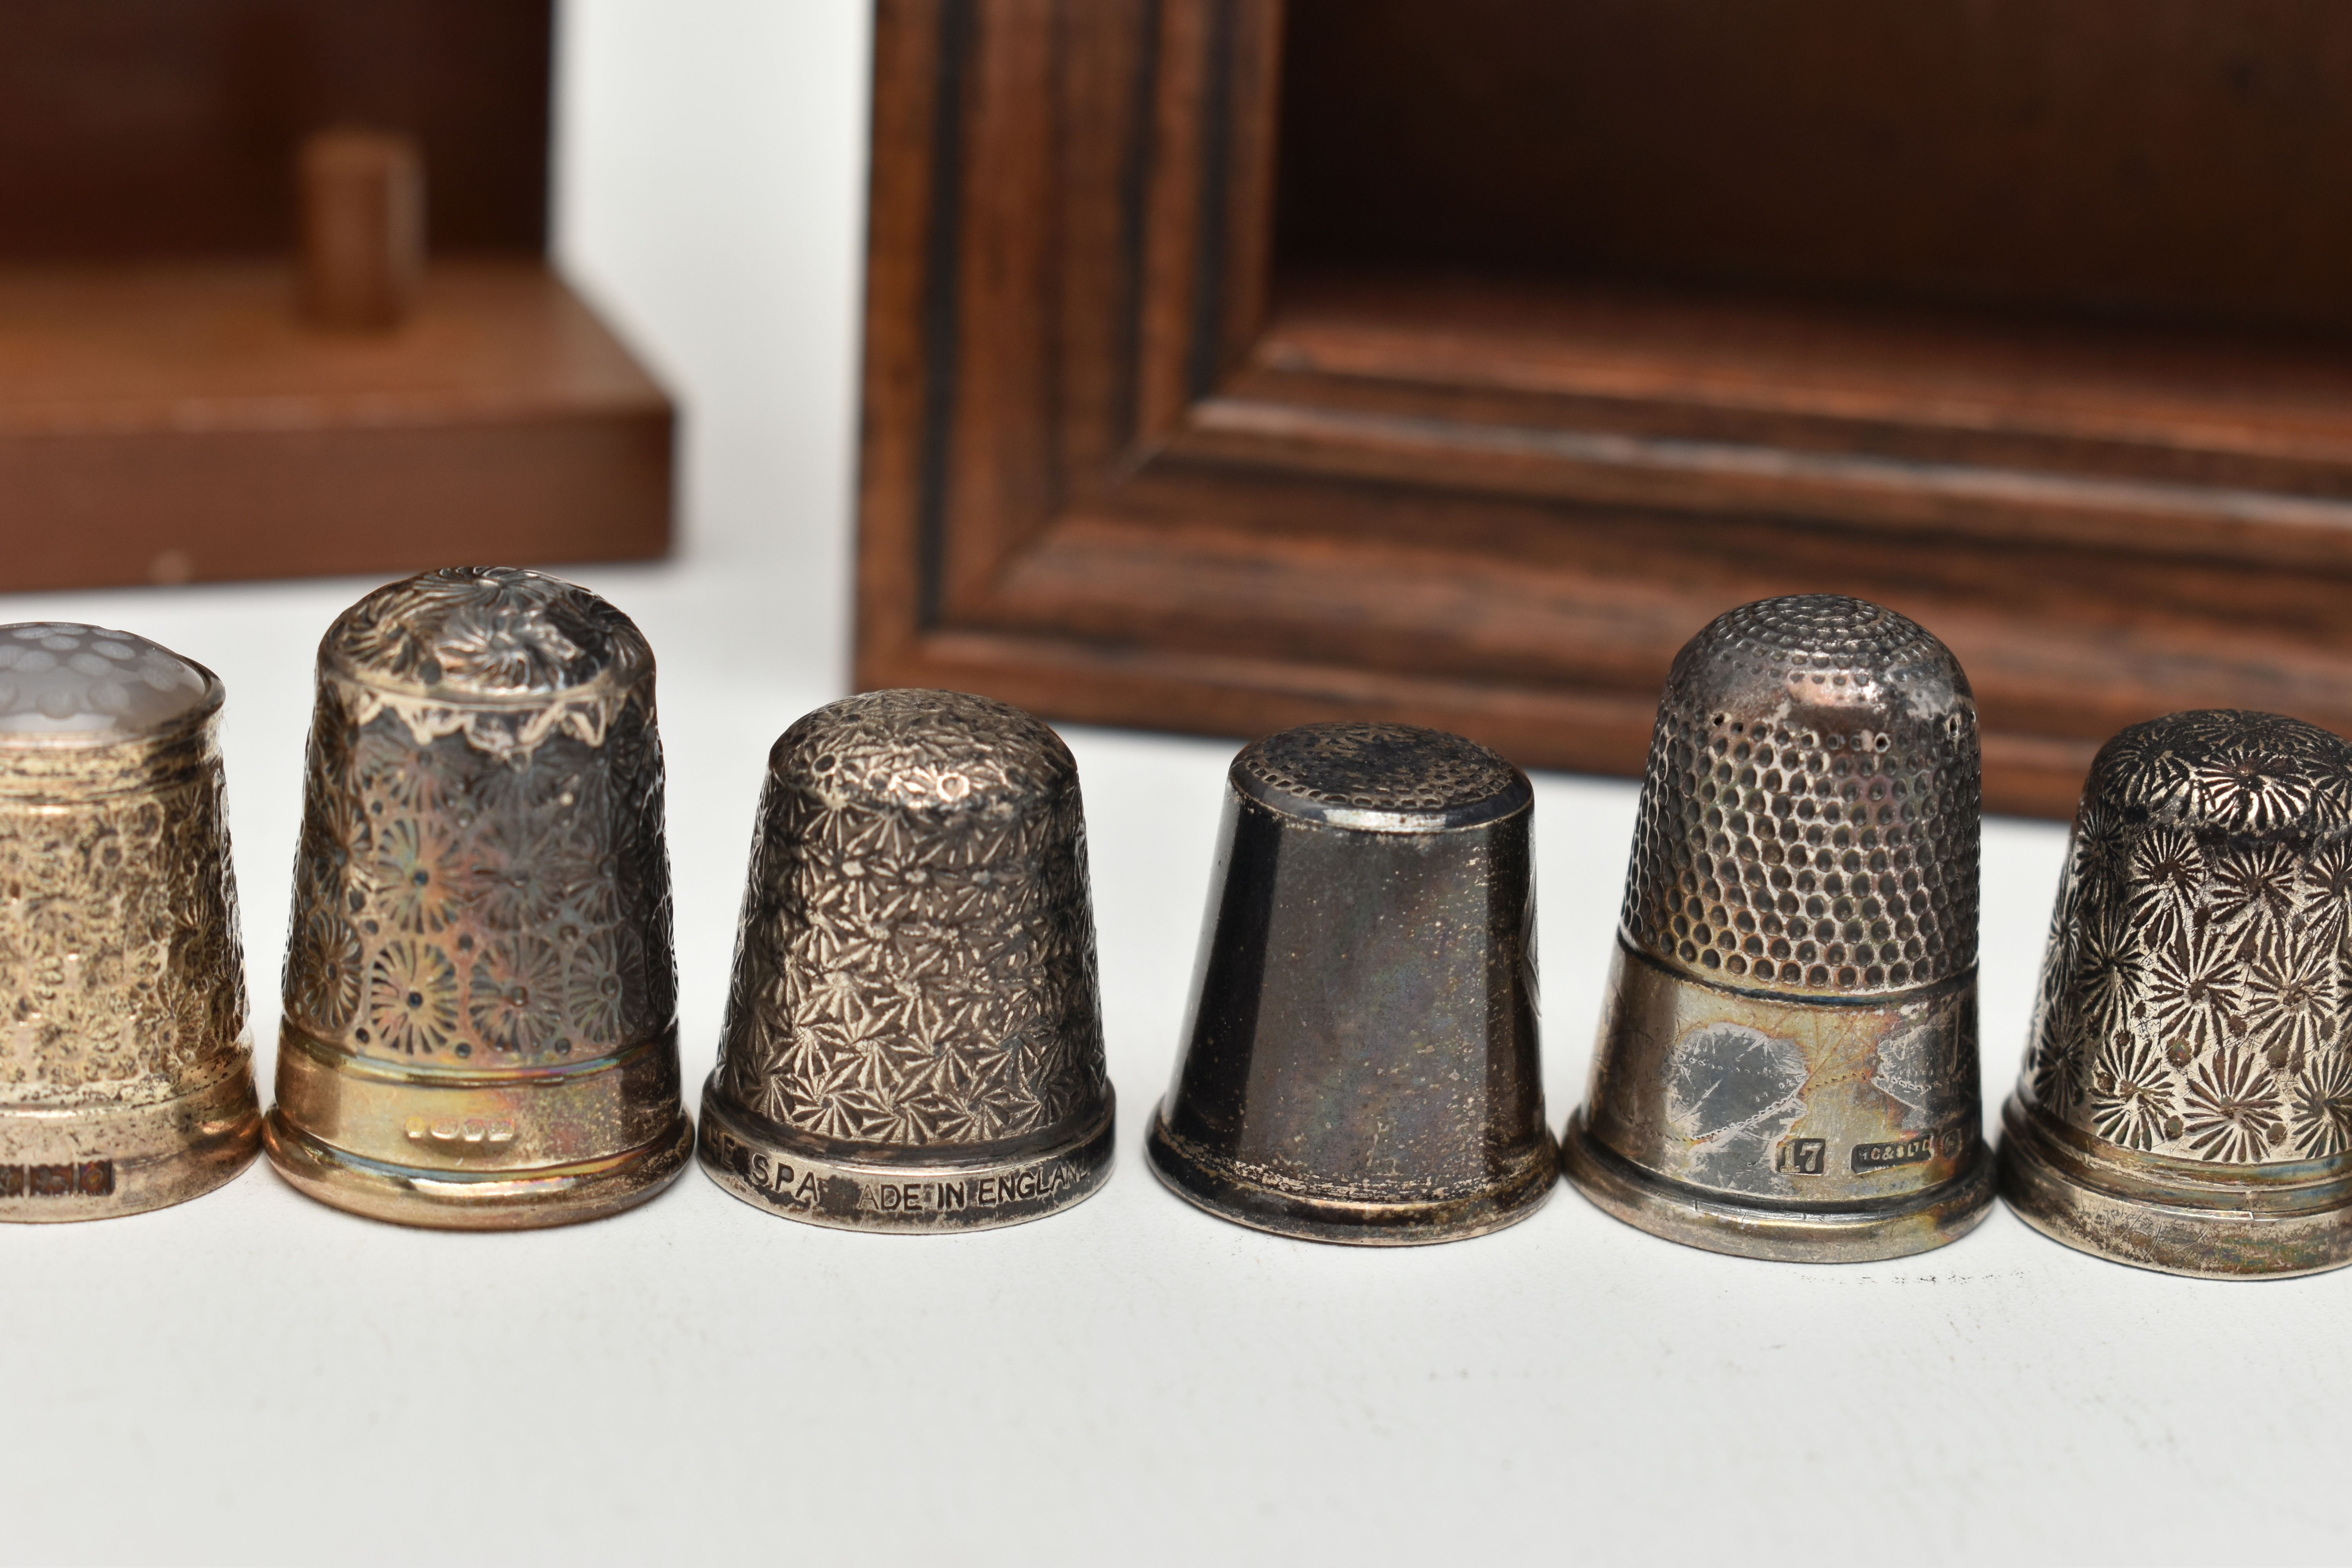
(1361,1062)
(2185,1103)
(126,1077)
(914,1038)
(1787,1062)
(480,999)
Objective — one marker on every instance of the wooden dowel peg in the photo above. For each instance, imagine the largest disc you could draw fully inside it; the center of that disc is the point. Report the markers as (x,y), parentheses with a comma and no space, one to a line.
(363,199)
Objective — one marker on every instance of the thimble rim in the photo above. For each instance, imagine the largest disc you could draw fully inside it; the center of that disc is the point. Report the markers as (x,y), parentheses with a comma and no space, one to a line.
(1254,777)
(1901,643)
(625,661)
(202,711)
(2196,767)
(935,775)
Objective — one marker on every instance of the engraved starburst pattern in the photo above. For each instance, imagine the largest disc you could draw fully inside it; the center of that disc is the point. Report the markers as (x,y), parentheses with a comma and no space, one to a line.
(515,995)
(2193,988)
(461,898)
(2255,885)
(325,969)
(2320,1106)
(413,879)
(2327,892)
(2232,1113)
(916,965)
(2292,1000)
(122,978)
(2164,885)
(2108,974)
(2131,1094)
(2195,993)
(413,999)
(2249,785)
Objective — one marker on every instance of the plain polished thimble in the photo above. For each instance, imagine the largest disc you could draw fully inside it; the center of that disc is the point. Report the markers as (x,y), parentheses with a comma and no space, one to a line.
(914,1035)
(2186,1099)
(480,1029)
(1360,1064)
(1787,1062)
(126,1073)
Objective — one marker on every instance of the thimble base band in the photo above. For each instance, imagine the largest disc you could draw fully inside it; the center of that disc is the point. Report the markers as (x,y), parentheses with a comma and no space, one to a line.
(2094,1199)
(511,1199)
(65,1163)
(453,1121)
(914,1190)
(1857,1233)
(1231,1190)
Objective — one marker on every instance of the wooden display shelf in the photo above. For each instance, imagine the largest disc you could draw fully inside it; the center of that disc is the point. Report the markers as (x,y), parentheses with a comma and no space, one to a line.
(175,420)
(1190,406)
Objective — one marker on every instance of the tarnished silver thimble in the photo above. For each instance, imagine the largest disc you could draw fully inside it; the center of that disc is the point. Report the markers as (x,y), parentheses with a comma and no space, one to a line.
(1360,1064)
(2186,1099)
(914,1036)
(480,1028)
(126,1074)
(1787,1062)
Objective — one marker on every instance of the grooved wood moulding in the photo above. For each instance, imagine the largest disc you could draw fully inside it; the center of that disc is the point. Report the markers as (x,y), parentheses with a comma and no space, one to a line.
(1233,364)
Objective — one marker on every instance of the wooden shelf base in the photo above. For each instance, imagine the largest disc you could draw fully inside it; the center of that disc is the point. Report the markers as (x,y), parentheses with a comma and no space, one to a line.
(172,422)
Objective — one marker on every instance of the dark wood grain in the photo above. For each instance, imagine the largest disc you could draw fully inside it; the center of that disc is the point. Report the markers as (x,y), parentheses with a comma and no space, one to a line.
(2164,158)
(1145,446)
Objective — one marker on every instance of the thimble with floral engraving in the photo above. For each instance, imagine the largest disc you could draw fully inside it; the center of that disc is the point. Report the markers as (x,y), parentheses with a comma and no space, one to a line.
(2186,1099)
(1787,1062)
(914,1037)
(1360,1064)
(126,1074)
(481,1025)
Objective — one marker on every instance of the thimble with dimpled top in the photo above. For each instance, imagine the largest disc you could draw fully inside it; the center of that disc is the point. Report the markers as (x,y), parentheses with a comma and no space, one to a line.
(2186,1099)
(914,1037)
(126,1074)
(1360,1064)
(1787,1062)
(479,1028)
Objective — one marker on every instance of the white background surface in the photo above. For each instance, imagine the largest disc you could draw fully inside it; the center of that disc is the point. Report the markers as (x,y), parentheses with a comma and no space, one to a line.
(255,1378)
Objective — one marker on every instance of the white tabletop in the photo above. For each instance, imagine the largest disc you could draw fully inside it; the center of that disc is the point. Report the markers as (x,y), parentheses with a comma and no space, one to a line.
(253,1377)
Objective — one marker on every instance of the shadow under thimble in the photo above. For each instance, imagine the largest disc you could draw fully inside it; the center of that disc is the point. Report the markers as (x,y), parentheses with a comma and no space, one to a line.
(1787,1062)
(914,1037)
(126,1074)
(1360,1064)
(480,1023)
(2185,1103)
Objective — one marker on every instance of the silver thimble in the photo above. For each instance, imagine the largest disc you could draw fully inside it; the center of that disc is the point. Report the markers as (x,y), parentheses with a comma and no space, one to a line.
(1787,1063)
(126,1074)
(1361,1064)
(914,1036)
(2186,1099)
(480,1028)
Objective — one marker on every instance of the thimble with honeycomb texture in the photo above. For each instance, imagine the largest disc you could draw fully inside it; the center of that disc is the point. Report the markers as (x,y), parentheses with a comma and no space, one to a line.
(479,1029)
(1361,1062)
(914,1037)
(126,1074)
(2186,1099)
(1787,1064)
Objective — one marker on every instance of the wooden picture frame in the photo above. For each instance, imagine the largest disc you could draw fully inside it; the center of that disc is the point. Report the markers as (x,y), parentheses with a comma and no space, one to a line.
(1127,460)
